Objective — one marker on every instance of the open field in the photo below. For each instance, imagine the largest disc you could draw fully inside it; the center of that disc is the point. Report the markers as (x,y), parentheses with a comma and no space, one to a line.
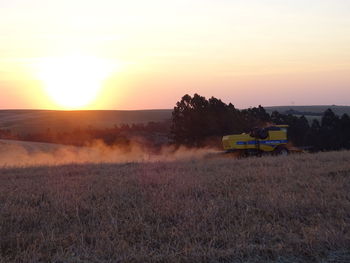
(27,121)
(271,209)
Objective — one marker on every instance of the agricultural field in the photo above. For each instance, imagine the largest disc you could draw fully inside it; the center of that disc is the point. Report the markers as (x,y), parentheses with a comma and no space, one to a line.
(188,209)
(31,121)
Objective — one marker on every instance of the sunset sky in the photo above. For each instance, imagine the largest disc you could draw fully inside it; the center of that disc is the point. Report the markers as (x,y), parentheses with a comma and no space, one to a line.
(111,54)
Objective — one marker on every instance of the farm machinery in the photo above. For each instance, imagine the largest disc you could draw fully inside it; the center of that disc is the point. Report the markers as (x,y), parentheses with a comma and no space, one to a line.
(259,141)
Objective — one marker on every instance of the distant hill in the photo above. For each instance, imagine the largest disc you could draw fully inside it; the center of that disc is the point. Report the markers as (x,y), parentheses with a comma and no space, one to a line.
(309,110)
(28,121)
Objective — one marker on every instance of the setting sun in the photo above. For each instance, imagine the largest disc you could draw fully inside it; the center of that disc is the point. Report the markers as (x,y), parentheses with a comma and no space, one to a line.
(73,82)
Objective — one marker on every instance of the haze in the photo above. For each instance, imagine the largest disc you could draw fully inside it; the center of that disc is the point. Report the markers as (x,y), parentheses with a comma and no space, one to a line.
(153,52)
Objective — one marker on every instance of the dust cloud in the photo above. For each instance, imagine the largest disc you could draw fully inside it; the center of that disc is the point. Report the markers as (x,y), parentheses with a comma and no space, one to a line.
(15,153)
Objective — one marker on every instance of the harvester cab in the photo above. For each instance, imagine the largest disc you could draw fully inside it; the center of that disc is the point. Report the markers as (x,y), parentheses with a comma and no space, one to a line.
(272,139)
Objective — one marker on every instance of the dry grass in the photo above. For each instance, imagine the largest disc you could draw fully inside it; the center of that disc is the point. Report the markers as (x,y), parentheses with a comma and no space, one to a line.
(271,209)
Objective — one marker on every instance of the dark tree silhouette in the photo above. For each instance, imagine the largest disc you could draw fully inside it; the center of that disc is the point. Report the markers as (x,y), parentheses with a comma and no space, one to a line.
(345,131)
(196,119)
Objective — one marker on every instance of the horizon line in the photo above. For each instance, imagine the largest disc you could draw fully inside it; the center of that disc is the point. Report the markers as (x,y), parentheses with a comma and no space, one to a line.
(70,110)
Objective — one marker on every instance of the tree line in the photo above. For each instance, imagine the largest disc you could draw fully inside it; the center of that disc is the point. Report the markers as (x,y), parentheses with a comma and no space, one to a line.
(195,120)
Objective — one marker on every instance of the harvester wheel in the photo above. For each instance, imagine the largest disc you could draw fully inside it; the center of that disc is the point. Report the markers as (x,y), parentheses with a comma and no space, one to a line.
(282,151)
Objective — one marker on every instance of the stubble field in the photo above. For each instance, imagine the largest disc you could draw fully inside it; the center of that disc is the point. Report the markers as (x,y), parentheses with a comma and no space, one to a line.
(270,209)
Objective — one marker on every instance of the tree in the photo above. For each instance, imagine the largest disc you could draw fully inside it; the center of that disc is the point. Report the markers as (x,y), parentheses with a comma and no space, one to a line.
(188,120)
(313,135)
(329,120)
(345,131)
(195,119)
(330,131)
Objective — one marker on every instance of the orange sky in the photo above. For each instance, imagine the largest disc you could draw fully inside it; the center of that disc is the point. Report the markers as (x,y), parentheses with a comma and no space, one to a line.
(147,54)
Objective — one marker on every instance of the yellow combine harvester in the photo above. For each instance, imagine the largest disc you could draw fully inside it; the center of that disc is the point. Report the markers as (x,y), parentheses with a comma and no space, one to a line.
(271,139)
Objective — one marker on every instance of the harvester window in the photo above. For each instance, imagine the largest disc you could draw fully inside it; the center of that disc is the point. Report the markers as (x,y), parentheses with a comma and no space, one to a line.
(259,133)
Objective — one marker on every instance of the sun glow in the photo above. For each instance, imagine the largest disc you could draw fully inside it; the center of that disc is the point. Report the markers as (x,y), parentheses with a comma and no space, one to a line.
(74,82)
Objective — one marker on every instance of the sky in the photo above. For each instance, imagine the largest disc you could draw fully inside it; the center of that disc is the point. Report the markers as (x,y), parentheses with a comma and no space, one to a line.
(81,54)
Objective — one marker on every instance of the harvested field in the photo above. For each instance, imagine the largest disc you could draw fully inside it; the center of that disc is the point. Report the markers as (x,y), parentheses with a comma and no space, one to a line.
(270,209)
